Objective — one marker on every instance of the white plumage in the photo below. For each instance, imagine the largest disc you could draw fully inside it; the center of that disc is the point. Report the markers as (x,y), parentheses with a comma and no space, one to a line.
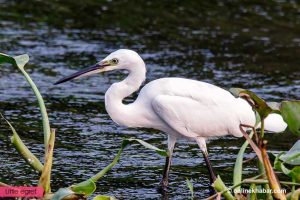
(182,108)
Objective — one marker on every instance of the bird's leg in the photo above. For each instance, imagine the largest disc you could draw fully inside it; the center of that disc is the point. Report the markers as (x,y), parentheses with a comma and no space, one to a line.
(212,177)
(165,179)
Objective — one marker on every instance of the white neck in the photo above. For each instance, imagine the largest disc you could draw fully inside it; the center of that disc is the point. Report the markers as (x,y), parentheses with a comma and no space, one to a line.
(119,112)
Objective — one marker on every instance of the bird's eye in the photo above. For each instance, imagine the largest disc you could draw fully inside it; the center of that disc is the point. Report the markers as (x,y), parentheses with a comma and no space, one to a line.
(114,61)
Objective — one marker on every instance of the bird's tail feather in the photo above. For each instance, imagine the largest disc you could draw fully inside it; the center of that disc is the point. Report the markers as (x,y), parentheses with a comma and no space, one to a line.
(275,123)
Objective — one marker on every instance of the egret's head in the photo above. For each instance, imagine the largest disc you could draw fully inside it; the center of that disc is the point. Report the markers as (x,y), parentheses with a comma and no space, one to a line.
(121,59)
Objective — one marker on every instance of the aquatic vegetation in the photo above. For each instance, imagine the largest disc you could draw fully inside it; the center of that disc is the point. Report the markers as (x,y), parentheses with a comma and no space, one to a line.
(285,162)
(268,177)
(76,191)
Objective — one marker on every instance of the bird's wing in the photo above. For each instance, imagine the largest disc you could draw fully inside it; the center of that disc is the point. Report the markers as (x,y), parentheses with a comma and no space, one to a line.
(199,117)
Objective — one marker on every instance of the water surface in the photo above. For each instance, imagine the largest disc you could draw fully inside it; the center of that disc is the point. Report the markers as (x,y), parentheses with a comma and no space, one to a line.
(253,45)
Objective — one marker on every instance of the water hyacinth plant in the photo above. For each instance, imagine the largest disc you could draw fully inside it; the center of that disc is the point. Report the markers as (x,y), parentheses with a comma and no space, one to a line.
(267,179)
(77,191)
(286,163)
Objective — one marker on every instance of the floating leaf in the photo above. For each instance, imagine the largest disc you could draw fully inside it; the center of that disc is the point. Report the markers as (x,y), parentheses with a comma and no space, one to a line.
(86,188)
(46,173)
(23,150)
(102,197)
(290,111)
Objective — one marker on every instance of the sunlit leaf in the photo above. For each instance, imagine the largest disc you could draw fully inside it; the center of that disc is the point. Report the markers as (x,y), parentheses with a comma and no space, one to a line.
(290,111)
(26,154)
(87,187)
(102,197)
(46,173)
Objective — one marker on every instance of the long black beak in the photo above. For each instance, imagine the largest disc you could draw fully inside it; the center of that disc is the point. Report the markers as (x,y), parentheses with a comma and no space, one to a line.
(98,66)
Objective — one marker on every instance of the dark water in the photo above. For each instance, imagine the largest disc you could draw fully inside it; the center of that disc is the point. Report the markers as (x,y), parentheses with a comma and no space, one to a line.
(249,44)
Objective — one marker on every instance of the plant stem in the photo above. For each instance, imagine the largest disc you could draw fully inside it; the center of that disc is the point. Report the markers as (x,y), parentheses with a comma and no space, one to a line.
(46,124)
(113,163)
(238,167)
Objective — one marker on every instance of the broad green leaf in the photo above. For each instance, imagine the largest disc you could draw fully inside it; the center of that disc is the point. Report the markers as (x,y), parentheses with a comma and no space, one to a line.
(290,111)
(150,146)
(292,157)
(87,187)
(46,173)
(62,193)
(102,197)
(220,187)
(20,62)
(191,187)
(26,154)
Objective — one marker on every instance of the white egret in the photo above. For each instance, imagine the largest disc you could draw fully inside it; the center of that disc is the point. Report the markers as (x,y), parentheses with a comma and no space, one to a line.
(182,108)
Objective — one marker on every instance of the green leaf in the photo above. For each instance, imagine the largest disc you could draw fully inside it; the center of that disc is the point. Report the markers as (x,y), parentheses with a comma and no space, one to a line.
(46,173)
(87,187)
(257,103)
(191,187)
(220,187)
(290,111)
(295,174)
(26,154)
(62,193)
(102,197)
(292,157)
(20,62)
(150,146)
